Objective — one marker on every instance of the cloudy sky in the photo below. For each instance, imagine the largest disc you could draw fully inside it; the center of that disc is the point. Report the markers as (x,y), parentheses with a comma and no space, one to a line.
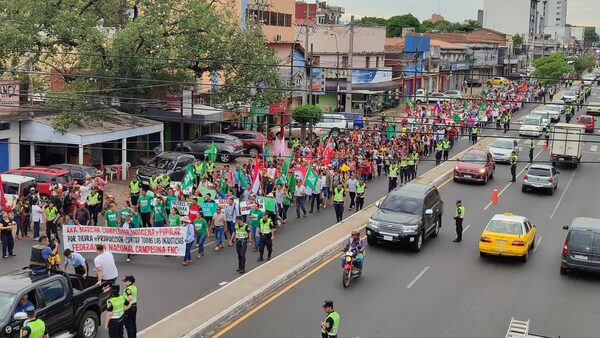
(579,12)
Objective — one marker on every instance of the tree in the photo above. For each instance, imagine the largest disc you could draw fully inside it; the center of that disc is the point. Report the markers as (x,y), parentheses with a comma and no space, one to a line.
(590,36)
(551,69)
(372,21)
(395,24)
(517,43)
(584,63)
(307,114)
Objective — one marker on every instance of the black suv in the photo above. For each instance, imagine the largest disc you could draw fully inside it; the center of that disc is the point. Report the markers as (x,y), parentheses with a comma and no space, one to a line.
(409,214)
(170,163)
(581,250)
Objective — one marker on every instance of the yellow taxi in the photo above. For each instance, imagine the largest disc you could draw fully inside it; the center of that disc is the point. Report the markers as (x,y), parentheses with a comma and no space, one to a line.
(498,80)
(508,235)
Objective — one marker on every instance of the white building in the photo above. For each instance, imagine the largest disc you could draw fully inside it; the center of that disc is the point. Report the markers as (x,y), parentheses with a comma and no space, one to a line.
(555,13)
(513,16)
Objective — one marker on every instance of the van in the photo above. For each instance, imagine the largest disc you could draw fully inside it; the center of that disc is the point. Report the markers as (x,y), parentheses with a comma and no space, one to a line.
(581,249)
(16,186)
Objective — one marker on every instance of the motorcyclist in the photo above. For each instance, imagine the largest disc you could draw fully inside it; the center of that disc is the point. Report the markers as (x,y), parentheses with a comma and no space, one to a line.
(359,245)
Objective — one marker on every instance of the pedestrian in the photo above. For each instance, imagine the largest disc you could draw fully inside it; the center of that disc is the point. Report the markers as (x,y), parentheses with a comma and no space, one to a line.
(174,219)
(300,196)
(446,147)
(33,327)
(159,213)
(531,149)
(439,148)
(190,238)
(315,197)
(474,132)
(218,223)
(255,215)
(351,184)
(242,239)
(513,165)
(392,176)
(6,233)
(231,213)
(51,218)
(93,205)
(129,316)
(81,217)
(458,218)
(111,216)
(115,310)
(339,196)
(267,235)
(77,261)
(145,208)
(41,255)
(105,266)
(201,227)
(361,193)
(127,223)
(36,219)
(331,324)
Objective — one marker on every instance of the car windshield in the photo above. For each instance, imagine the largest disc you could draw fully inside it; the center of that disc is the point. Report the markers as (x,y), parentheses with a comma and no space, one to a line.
(531,121)
(585,119)
(10,188)
(162,163)
(6,303)
(503,144)
(541,114)
(62,179)
(402,204)
(539,172)
(505,227)
(470,157)
(569,93)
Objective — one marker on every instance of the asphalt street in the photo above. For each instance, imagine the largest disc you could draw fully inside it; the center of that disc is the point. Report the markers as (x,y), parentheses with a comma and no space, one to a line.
(447,289)
(165,286)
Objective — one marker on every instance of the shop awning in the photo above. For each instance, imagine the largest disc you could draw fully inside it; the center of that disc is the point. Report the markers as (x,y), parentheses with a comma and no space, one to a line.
(363,88)
(201,115)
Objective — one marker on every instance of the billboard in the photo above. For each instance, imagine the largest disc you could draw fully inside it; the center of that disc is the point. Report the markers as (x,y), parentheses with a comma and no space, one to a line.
(371,75)
(414,43)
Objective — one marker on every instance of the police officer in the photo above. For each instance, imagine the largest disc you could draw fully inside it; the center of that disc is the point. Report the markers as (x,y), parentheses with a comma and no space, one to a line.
(165,181)
(331,324)
(134,190)
(513,165)
(198,171)
(33,327)
(474,132)
(339,195)
(115,310)
(361,190)
(531,148)
(94,204)
(404,169)
(153,181)
(568,113)
(458,218)
(392,176)
(410,168)
(439,148)
(129,317)
(267,235)
(547,135)
(415,157)
(242,238)
(446,147)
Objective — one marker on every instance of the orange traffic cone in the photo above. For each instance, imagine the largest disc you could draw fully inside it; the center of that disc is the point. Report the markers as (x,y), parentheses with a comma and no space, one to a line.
(494,198)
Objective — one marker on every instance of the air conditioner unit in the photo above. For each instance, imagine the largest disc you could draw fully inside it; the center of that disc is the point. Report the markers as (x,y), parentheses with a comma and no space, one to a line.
(278,37)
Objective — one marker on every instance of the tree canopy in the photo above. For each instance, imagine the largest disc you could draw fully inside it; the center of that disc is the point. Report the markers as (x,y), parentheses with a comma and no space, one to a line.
(551,69)
(395,24)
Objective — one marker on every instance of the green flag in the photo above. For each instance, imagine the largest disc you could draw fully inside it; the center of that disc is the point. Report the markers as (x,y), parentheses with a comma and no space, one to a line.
(205,191)
(268,203)
(409,103)
(311,178)
(291,182)
(285,167)
(456,117)
(242,177)
(266,152)
(188,178)
(222,183)
(391,133)
(211,153)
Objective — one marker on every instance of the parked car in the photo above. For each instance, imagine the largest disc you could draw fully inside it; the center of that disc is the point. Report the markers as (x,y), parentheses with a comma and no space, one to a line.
(474,83)
(69,305)
(581,249)
(515,76)
(497,80)
(253,141)
(296,131)
(531,126)
(43,177)
(502,148)
(16,186)
(170,163)
(475,166)
(78,172)
(544,115)
(587,121)
(540,177)
(409,214)
(455,94)
(422,97)
(333,124)
(228,146)
(593,108)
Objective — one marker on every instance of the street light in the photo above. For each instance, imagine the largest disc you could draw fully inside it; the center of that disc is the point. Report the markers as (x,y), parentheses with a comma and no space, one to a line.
(337,74)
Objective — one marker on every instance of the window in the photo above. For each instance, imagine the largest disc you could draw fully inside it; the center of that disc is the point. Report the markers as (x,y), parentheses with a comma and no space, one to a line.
(344,62)
(316,60)
(50,293)
(272,19)
(287,22)
(527,226)
(367,62)
(377,62)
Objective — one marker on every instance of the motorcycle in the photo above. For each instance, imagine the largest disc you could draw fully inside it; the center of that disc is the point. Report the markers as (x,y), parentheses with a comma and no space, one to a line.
(351,271)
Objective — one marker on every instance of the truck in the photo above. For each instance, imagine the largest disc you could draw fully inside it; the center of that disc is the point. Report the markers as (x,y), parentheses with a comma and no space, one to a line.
(70,305)
(567,143)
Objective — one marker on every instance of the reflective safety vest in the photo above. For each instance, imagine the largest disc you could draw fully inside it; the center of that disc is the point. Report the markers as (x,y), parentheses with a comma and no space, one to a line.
(133,290)
(333,330)
(446,144)
(508,117)
(514,159)
(360,188)
(164,180)
(51,213)
(210,166)
(118,306)
(438,146)
(37,327)
(240,231)
(460,211)
(403,162)
(94,198)
(531,144)
(265,226)
(475,130)
(134,187)
(198,168)
(415,157)
(547,131)
(393,170)
(338,195)
(411,160)
(153,181)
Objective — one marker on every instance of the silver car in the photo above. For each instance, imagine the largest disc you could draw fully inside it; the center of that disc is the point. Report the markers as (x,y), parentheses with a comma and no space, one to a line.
(502,148)
(540,177)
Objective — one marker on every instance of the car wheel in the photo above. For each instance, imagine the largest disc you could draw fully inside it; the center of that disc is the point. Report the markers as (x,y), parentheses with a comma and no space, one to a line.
(551,191)
(44,198)
(224,157)
(436,230)
(88,325)
(419,101)
(485,180)
(371,240)
(455,179)
(564,271)
(525,257)
(418,244)
(482,254)
(532,244)
(253,152)
(524,189)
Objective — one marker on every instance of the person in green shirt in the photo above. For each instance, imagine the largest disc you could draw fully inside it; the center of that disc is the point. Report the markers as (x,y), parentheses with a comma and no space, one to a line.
(131,211)
(174,218)
(170,198)
(158,213)
(254,216)
(111,216)
(145,208)
(202,231)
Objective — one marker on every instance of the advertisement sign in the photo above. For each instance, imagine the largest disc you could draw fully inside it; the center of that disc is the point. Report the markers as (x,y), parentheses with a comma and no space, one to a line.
(141,241)
(9,95)
(371,75)
(458,66)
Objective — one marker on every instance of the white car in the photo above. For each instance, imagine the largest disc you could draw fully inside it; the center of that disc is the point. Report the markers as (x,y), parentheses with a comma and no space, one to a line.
(455,94)
(544,115)
(553,111)
(569,96)
(334,124)
(502,148)
(531,126)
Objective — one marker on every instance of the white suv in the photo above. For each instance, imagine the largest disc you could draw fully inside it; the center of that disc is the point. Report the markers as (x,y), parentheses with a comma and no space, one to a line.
(333,124)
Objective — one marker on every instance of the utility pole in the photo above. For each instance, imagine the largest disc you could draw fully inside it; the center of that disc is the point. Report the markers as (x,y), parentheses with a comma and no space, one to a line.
(305,95)
(348,105)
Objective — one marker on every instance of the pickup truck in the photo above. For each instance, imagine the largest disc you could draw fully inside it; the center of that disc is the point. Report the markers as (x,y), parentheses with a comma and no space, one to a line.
(422,97)
(69,305)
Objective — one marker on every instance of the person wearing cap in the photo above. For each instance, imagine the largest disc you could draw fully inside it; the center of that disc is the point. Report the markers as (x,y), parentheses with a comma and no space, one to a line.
(458,218)
(190,238)
(77,261)
(33,327)
(129,317)
(242,238)
(331,324)
(115,311)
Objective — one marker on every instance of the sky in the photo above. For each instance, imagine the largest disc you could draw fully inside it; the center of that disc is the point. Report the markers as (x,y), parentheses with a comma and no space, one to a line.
(579,12)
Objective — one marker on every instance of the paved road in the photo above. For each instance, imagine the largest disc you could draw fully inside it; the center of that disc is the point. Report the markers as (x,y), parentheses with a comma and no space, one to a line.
(165,286)
(458,293)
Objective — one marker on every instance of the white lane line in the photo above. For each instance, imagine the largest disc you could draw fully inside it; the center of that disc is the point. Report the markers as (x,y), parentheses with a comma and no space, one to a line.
(417,278)
(466,228)
(537,245)
(563,194)
(594,148)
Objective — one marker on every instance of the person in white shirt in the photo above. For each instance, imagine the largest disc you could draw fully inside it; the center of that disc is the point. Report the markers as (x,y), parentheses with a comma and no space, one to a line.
(351,183)
(300,195)
(105,266)
(36,218)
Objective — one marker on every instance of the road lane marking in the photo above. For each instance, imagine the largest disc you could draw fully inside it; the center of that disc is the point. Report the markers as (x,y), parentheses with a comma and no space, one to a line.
(537,245)
(445,182)
(417,278)
(594,148)
(563,194)
(223,283)
(466,228)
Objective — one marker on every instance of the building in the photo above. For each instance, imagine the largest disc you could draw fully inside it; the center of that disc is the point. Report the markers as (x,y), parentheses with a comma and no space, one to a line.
(555,13)
(10,117)
(320,13)
(480,17)
(436,18)
(513,17)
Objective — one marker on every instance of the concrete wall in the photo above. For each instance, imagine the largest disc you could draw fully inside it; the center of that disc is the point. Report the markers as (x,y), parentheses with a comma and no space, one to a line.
(13,144)
(367,40)
(328,101)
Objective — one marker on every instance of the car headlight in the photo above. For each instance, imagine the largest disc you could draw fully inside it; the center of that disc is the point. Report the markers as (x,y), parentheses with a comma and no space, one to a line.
(410,228)
(482,170)
(456,168)
(374,224)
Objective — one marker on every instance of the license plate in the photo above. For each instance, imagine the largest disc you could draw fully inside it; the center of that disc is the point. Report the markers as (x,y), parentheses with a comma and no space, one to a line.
(468,176)
(501,242)
(388,238)
(583,258)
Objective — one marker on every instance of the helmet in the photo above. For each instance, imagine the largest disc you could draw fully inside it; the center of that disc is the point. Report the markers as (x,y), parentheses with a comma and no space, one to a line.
(355,233)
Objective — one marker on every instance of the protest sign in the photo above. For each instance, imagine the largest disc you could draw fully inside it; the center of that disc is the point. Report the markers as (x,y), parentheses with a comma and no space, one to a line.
(183,207)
